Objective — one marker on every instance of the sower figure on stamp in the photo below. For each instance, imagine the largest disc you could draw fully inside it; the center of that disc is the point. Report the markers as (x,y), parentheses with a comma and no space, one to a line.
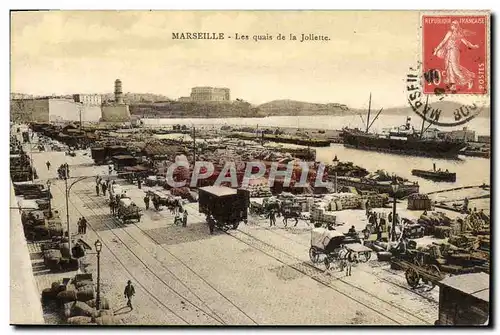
(449,50)
(129,293)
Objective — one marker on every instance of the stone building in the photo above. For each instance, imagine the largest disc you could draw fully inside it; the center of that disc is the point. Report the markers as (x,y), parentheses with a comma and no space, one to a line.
(50,109)
(210,94)
(88,99)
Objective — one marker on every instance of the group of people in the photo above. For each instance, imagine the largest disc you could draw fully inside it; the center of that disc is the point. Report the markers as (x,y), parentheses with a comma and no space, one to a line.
(101,186)
(62,171)
(82,225)
(114,200)
(380,221)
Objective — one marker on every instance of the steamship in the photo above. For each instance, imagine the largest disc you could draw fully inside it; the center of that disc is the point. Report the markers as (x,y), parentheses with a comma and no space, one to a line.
(401,140)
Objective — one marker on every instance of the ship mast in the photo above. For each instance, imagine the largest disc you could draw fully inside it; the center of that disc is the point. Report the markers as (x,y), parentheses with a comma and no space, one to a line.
(368,124)
(369,111)
(423,119)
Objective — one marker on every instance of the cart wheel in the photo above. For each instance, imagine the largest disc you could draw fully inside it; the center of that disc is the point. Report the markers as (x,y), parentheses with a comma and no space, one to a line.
(313,255)
(235,225)
(412,277)
(364,256)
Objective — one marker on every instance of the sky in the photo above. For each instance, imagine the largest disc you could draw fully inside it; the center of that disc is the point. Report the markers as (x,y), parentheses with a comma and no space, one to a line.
(67,52)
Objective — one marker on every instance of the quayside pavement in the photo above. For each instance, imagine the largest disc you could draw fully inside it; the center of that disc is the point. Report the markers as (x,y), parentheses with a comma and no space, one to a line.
(254,275)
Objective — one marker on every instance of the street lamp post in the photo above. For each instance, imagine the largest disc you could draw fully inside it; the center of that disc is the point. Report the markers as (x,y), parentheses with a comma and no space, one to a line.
(98,248)
(395,188)
(335,164)
(50,196)
(66,176)
(67,192)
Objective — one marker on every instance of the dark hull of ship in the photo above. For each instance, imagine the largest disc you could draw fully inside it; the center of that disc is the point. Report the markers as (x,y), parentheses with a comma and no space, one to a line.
(364,185)
(414,147)
(437,176)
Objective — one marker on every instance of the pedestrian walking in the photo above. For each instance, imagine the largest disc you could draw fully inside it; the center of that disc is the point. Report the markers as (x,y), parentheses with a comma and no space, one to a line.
(129,292)
(272,218)
(48,165)
(184,218)
(211,224)
(379,230)
(368,209)
(112,206)
(110,169)
(146,201)
(83,224)
(104,188)
(79,224)
(97,189)
(139,182)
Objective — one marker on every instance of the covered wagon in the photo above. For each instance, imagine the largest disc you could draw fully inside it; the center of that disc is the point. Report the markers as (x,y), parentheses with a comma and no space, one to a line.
(127,210)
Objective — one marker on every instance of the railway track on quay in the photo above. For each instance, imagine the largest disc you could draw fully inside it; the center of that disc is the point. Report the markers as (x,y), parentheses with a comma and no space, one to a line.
(422,293)
(396,314)
(141,253)
(128,261)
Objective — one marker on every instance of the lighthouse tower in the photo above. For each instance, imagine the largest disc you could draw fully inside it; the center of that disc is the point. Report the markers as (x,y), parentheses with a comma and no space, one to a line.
(116,111)
(118,92)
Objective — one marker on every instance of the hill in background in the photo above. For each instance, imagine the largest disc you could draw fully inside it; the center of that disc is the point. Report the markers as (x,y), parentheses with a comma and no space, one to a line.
(293,108)
(406,110)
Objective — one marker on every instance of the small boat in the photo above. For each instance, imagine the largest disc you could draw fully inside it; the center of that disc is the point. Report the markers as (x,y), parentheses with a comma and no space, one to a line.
(436,175)
(380,182)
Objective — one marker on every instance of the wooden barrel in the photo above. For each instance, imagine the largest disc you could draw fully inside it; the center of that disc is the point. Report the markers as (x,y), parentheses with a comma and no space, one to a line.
(66,296)
(64,247)
(384,256)
(81,309)
(104,303)
(48,294)
(85,294)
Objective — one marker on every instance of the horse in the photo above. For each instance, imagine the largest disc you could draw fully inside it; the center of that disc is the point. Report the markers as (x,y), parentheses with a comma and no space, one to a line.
(287,214)
(344,258)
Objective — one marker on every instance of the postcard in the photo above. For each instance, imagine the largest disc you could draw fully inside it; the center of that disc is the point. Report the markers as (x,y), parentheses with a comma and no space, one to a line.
(256,168)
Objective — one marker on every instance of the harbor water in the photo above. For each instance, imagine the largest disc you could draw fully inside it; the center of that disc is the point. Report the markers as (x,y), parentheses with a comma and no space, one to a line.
(469,170)
(481,125)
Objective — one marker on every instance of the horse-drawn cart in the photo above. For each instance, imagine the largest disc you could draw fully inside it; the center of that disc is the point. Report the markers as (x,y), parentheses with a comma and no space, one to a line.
(224,207)
(326,246)
(428,274)
(127,210)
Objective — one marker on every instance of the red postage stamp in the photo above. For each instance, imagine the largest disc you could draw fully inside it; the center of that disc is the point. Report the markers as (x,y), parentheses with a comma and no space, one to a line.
(455,54)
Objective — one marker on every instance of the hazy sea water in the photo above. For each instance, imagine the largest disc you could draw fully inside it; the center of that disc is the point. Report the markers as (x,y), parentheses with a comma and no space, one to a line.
(480,124)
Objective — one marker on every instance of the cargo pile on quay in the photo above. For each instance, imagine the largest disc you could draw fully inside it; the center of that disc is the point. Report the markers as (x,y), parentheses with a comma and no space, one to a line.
(176,232)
